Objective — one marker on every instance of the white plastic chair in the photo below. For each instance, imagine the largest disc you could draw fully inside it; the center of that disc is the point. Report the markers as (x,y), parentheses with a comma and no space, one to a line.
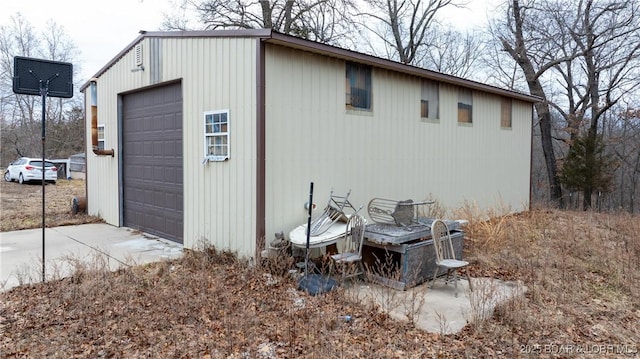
(445,255)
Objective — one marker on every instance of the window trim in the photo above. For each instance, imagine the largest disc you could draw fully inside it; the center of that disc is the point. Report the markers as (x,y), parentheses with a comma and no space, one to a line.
(223,134)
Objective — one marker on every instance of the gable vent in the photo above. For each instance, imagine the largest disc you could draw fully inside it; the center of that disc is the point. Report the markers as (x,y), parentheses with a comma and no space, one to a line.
(138,51)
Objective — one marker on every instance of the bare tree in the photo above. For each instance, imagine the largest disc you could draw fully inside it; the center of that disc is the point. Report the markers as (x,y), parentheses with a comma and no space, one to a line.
(623,131)
(606,36)
(521,37)
(580,58)
(20,127)
(20,115)
(401,27)
(66,133)
(452,52)
(326,21)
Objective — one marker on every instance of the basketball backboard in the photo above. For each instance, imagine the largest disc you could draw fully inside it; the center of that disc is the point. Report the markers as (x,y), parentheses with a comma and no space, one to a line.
(28,72)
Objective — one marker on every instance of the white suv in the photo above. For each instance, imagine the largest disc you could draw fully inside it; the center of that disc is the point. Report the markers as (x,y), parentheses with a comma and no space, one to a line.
(30,169)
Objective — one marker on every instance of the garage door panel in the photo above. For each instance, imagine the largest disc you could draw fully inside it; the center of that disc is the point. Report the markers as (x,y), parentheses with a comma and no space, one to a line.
(170,176)
(152,161)
(178,149)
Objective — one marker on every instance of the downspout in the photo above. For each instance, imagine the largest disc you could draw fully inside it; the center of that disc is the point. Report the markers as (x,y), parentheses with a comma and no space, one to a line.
(93,88)
(531,124)
(79,204)
(260,146)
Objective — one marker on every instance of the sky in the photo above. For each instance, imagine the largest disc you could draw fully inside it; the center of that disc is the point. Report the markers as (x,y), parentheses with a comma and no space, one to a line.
(101,29)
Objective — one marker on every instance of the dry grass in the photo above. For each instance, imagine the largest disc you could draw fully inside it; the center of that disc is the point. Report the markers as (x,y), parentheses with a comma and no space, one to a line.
(22,205)
(581,271)
(206,304)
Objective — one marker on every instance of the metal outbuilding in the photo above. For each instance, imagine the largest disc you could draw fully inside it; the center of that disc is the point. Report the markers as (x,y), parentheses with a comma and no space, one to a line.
(214,136)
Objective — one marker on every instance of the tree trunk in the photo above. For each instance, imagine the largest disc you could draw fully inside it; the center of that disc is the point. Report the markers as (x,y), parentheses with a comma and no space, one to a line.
(586,199)
(518,52)
(544,118)
(267,14)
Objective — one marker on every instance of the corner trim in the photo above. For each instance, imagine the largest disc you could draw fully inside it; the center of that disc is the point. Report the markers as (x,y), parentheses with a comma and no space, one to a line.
(260,144)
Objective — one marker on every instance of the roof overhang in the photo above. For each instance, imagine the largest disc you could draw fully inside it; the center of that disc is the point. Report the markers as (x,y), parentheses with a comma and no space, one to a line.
(277,38)
(328,50)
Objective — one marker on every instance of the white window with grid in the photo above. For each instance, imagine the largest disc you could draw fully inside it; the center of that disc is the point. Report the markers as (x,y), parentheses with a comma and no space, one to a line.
(216,135)
(101,137)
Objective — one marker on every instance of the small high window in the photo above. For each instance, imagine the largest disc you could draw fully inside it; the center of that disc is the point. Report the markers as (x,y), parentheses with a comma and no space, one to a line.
(505,112)
(429,100)
(358,87)
(101,137)
(216,135)
(465,106)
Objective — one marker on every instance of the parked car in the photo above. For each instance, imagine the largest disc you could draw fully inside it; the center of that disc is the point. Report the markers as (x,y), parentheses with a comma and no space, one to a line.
(27,169)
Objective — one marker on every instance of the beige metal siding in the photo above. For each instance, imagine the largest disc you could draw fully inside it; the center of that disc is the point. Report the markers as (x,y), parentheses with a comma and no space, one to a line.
(389,152)
(220,196)
(216,74)
(102,171)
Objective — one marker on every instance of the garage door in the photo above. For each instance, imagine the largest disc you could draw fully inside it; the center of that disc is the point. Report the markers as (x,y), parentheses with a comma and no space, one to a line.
(152,161)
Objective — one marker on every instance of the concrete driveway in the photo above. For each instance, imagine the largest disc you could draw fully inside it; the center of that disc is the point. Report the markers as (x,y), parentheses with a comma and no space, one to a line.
(67,247)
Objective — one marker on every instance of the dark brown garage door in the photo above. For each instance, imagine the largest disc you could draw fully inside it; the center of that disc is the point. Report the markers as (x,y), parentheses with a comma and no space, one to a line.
(152,161)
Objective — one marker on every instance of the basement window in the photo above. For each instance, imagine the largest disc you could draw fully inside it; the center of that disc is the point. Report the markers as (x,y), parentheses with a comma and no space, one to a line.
(101,137)
(216,135)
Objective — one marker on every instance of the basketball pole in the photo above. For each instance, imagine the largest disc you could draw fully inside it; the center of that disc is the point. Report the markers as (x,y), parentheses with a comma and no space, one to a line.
(44,89)
(34,84)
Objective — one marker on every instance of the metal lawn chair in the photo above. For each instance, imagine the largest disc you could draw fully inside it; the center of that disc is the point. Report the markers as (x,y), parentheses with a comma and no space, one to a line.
(445,255)
(399,213)
(351,255)
(333,212)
